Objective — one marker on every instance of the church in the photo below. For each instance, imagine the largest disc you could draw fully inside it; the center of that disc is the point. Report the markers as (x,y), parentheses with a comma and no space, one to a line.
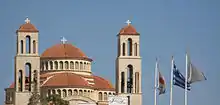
(65,70)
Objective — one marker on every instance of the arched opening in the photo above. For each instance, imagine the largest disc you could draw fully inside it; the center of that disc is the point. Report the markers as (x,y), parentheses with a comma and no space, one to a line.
(22,47)
(109,94)
(71,65)
(46,64)
(136,82)
(66,65)
(49,92)
(75,92)
(129,47)
(61,65)
(42,66)
(81,66)
(70,93)
(51,65)
(59,92)
(64,93)
(84,65)
(122,82)
(34,46)
(80,92)
(123,49)
(28,44)
(136,49)
(85,93)
(56,65)
(77,65)
(88,67)
(100,96)
(20,80)
(53,92)
(105,96)
(28,76)
(130,79)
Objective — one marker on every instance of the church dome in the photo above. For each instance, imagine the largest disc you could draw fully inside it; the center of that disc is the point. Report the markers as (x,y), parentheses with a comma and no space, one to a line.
(128,30)
(27,27)
(68,79)
(64,51)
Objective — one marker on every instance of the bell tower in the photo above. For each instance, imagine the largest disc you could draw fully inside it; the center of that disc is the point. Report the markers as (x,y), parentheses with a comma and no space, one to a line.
(128,65)
(27,63)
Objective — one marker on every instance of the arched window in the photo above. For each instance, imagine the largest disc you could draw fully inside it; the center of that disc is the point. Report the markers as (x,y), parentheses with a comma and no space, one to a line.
(53,91)
(70,93)
(64,93)
(81,66)
(49,92)
(84,66)
(122,82)
(34,47)
(100,96)
(71,65)
(130,79)
(66,65)
(85,93)
(109,94)
(75,92)
(42,66)
(28,44)
(22,47)
(59,92)
(61,65)
(77,65)
(129,47)
(20,80)
(80,92)
(56,65)
(105,96)
(51,65)
(46,64)
(136,49)
(136,82)
(123,49)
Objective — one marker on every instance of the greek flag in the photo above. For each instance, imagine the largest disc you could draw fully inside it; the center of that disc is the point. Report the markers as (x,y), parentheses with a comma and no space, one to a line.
(179,79)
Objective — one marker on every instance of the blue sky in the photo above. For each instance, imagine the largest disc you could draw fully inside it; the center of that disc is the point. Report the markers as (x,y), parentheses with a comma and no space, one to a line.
(167,28)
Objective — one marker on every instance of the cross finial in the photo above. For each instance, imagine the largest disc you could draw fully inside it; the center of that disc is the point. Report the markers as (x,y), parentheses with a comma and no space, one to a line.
(128,22)
(27,20)
(63,40)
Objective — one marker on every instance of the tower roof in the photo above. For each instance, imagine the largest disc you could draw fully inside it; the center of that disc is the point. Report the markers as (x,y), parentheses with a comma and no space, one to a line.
(128,30)
(27,27)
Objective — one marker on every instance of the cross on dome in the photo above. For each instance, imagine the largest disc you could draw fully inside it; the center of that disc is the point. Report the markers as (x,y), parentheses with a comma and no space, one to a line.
(63,40)
(128,22)
(27,20)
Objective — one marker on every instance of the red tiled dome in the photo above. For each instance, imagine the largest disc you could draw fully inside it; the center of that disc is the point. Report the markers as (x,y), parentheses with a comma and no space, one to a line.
(66,80)
(128,30)
(64,51)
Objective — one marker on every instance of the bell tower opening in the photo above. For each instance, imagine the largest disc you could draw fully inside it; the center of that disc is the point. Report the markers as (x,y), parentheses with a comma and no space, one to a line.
(130,79)
(28,44)
(28,77)
(129,47)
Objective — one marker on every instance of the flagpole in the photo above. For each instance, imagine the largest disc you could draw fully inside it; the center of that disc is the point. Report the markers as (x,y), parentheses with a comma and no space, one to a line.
(186,75)
(171,82)
(155,83)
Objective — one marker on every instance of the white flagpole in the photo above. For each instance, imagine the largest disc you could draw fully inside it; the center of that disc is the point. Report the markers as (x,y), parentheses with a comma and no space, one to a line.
(186,79)
(171,82)
(155,83)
